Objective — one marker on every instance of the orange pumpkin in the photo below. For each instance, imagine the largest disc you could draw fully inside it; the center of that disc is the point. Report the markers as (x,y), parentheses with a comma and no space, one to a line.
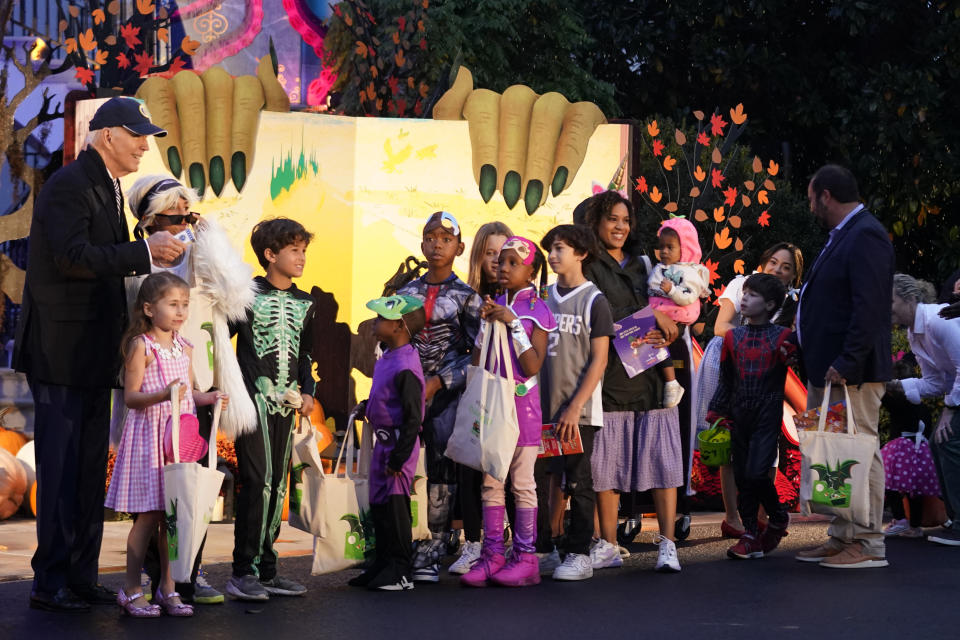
(12,440)
(33,499)
(13,484)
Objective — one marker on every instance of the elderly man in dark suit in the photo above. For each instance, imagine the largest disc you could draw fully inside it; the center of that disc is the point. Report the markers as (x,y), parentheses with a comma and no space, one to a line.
(843,322)
(74,313)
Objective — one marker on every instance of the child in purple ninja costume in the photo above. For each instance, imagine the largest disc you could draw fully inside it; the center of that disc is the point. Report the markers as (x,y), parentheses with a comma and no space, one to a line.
(529,320)
(395,412)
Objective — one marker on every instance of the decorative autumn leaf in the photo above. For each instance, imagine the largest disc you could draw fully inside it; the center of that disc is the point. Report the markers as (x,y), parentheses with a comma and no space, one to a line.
(144,62)
(87,40)
(722,239)
(122,61)
(371,91)
(716,157)
(703,138)
(737,114)
(641,185)
(712,269)
(738,245)
(716,178)
(98,16)
(749,185)
(145,7)
(100,58)
(737,266)
(74,11)
(62,26)
(655,195)
(361,49)
(130,35)
(423,44)
(773,168)
(769,185)
(718,214)
(764,219)
(189,46)
(653,129)
(400,59)
(410,82)
(176,66)
(670,207)
(114,7)
(745,200)
(698,114)
(699,174)
(657,148)
(694,192)
(718,293)
(668,163)
(700,215)
(396,37)
(679,137)
(757,165)
(735,221)
(84,75)
(70,44)
(163,35)
(730,196)
(111,40)
(392,82)
(717,123)
(762,197)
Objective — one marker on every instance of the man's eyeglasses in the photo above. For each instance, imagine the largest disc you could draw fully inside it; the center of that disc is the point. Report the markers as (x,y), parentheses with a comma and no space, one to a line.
(188,218)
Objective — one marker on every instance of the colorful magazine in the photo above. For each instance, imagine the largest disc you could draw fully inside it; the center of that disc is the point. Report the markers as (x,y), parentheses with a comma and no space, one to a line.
(628,341)
(550,446)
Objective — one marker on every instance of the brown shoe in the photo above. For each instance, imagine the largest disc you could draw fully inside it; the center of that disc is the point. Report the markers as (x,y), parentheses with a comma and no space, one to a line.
(826,550)
(853,557)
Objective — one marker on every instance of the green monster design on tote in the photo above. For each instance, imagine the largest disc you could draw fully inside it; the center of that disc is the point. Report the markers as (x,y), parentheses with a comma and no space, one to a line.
(296,477)
(360,542)
(414,519)
(171,516)
(832,488)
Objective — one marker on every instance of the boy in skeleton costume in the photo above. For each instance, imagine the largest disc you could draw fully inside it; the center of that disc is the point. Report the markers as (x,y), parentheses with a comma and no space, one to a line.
(273,348)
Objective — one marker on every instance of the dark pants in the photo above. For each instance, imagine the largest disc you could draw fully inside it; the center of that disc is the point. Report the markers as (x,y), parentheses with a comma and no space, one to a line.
(895,500)
(72,435)
(391,523)
(468,498)
(946,456)
(441,471)
(262,460)
(755,437)
(579,486)
(680,356)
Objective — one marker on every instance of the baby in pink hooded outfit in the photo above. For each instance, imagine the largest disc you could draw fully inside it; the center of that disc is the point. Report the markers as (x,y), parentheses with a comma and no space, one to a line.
(676,285)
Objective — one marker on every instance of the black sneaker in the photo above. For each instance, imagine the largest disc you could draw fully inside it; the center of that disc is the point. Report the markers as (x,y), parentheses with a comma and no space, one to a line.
(401,585)
(246,587)
(280,586)
(681,529)
(949,537)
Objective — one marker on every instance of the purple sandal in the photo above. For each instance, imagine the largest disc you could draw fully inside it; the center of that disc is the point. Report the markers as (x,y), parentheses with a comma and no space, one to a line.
(132,610)
(176,610)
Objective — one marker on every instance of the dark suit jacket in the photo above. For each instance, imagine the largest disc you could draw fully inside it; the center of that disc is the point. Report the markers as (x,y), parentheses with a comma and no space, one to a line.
(74,306)
(845,305)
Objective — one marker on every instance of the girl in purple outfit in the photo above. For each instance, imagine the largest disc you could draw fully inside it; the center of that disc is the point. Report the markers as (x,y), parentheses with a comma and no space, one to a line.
(529,320)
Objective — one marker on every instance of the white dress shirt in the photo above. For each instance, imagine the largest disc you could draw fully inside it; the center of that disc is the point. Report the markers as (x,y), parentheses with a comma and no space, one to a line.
(936,344)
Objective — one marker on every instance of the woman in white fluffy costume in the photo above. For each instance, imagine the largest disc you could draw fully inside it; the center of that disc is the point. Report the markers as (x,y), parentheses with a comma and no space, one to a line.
(221,288)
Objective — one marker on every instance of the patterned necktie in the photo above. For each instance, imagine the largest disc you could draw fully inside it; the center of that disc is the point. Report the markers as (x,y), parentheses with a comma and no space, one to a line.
(116,188)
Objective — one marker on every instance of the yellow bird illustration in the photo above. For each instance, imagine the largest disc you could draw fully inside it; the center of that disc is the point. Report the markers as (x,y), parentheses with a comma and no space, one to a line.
(427,152)
(390,165)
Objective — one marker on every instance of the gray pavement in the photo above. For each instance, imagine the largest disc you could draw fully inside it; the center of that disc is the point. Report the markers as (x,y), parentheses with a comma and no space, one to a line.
(712,597)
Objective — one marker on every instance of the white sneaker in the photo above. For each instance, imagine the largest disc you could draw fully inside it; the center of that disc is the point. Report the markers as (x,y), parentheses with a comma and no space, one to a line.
(672,392)
(575,567)
(667,560)
(896,527)
(469,554)
(605,556)
(548,561)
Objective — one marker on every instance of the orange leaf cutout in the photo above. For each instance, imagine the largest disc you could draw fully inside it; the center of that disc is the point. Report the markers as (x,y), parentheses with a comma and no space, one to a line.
(762,197)
(694,192)
(87,41)
(70,44)
(399,58)
(700,215)
(189,46)
(764,219)
(680,138)
(668,163)
(768,185)
(671,207)
(100,58)
(735,221)
(712,269)
(655,195)
(745,200)
(163,35)
(62,26)
(113,8)
(722,239)
(757,165)
(739,245)
(772,168)
(145,7)
(74,10)
(749,185)
(698,115)
(718,214)
(98,16)
(717,157)
(699,174)
(737,114)
(110,40)
(653,129)
(738,266)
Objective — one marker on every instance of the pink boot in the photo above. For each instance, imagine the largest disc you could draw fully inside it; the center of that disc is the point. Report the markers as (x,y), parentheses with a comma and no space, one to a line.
(523,569)
(491,557)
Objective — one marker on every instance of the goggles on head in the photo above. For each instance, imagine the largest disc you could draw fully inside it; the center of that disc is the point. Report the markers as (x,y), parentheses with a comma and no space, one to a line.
(524,248)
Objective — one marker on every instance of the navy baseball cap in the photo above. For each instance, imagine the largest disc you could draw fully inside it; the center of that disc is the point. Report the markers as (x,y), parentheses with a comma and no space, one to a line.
(129,113)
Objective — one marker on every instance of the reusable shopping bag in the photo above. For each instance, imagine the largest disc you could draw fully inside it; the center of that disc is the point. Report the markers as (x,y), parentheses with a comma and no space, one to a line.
(190,492)
(306,495)
(835,468)
(348,528)
(486,429)
(418,500)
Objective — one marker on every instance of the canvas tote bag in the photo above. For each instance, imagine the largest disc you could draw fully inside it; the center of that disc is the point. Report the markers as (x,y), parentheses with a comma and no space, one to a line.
(306,478)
